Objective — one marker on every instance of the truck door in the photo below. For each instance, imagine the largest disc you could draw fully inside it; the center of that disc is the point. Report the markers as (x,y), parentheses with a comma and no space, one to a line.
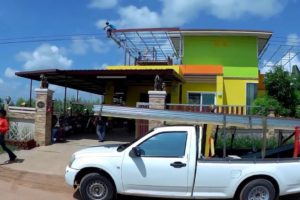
(162,167)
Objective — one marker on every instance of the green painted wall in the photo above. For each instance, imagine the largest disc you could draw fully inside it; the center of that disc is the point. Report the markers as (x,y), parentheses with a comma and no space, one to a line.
(238,55)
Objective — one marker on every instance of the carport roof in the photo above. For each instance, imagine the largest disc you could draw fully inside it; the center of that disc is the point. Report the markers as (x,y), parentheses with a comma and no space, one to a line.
(94,81)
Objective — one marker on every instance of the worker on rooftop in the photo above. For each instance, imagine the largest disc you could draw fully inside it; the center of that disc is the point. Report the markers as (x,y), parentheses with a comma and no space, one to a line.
(109,28)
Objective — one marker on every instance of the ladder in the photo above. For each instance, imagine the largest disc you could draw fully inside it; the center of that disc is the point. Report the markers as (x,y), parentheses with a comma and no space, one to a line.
(182,117)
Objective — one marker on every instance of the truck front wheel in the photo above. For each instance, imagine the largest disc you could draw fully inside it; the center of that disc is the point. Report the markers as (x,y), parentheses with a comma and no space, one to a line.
(93,186)
(258,189)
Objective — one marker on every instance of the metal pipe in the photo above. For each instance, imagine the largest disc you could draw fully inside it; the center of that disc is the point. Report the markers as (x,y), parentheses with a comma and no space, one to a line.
(65,101)
(224,136)
(194,118)
(30,94)
(264,139)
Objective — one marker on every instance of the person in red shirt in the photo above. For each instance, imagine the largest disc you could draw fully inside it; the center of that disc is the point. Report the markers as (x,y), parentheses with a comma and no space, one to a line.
(3,130)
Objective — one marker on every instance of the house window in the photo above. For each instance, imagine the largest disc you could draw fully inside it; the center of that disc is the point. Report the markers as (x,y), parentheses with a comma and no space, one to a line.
(251,95)
(201,98)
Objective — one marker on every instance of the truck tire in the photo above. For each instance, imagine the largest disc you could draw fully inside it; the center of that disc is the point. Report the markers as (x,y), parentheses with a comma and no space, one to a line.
(259,189)
(93,186)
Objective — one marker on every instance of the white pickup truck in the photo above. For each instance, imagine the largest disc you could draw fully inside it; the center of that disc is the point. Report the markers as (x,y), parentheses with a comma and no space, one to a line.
(168,162)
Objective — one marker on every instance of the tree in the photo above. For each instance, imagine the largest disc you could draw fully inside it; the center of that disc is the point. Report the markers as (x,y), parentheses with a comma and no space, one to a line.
(264,105)
(1,103)
(20,101)
(282,87)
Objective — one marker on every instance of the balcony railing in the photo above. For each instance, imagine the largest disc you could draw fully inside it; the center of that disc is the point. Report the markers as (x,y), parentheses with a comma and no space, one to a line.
(221,109)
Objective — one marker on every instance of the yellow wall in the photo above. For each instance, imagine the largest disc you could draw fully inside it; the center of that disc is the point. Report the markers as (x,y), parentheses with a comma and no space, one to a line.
(228,91)
(133,94)
(174,91)
(219,90)
(235,91)
(196,87)
(109,92)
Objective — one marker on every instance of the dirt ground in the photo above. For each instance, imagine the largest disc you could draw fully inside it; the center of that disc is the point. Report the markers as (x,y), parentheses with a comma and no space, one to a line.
(15,185)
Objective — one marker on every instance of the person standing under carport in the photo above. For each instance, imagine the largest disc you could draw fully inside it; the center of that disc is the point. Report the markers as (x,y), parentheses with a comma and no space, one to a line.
(3,130)
(100,128)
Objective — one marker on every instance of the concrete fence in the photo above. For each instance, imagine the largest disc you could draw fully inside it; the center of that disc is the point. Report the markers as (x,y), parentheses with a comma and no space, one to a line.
(32,124)
(21,123)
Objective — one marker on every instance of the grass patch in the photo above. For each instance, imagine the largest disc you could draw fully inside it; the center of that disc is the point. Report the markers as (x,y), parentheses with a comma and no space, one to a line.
(247,142)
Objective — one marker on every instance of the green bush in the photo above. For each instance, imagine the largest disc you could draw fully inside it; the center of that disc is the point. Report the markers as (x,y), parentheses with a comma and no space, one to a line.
(298,111)
(285,88)
(247,142)
(263,105)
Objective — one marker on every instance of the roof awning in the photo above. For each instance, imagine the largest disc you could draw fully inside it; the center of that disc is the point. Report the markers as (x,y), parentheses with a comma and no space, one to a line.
(94,81)
(203,70)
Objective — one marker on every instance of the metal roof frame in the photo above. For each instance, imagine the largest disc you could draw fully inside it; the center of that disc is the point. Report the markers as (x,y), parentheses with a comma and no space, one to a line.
(152,43)
(167,42)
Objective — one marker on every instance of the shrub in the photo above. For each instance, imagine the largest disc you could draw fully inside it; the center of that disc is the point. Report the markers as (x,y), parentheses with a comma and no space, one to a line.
(298,111)
(263,106)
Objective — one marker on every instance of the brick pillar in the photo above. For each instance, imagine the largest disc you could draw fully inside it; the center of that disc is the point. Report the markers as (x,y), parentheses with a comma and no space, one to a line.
(43,117)
(157,100)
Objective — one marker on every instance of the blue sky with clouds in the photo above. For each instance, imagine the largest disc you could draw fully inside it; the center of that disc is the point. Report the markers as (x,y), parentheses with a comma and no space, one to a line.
(65,34)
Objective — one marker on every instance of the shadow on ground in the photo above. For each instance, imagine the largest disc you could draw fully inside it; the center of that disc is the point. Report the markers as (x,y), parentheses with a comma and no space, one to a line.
(117,135)
(8,162)
(122,197)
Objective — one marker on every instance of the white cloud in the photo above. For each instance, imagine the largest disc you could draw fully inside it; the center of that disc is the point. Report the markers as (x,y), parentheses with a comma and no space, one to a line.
(9,72)
(53,87)
(229,9)
(44,57)
(98,45)
(267,66)
(293,40)
(81,46)
(103,4)
(101,23)
(103,66)
(180,12)
(287,60)
(131,16)
(294,61)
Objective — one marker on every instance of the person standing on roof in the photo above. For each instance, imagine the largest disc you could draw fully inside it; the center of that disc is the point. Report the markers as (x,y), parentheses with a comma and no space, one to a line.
(109,28)
(4,127)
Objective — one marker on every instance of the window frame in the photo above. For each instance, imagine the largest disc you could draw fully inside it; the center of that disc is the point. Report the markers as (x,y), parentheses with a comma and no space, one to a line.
(201,96)
(166,132)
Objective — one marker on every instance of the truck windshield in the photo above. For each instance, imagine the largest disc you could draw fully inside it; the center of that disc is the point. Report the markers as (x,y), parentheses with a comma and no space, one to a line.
(122,147)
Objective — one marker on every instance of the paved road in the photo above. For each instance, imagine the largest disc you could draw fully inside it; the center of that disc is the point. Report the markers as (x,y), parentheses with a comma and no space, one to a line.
(16,184)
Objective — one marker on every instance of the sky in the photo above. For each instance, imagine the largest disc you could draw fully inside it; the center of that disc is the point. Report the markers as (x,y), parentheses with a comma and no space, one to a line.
(66,34)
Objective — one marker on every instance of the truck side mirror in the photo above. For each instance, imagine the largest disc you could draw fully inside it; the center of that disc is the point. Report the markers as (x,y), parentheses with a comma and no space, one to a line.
(135,152)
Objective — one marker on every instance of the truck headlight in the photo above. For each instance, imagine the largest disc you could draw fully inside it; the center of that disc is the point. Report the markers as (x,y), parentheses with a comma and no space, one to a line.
(72,160)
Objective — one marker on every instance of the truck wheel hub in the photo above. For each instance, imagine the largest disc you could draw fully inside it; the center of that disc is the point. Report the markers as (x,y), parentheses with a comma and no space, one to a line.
(259,193)
(97,190)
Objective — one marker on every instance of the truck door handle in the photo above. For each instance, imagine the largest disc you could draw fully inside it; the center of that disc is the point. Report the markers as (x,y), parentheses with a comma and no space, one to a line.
(178,164)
